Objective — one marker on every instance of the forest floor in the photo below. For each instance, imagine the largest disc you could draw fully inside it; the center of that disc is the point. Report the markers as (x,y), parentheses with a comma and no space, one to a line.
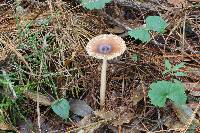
(43,59)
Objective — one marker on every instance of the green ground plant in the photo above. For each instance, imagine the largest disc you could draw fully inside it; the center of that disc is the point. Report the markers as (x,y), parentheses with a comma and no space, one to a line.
(153,23)
(174,70)
(61,108)
(160,90)
(172,89)
(37,47)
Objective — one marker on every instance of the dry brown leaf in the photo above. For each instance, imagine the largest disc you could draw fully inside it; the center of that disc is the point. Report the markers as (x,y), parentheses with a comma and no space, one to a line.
(86,120)
(44,100)
(137,94)
(90,123)
(105,115)
(184,113)
(124,118)
(115,30)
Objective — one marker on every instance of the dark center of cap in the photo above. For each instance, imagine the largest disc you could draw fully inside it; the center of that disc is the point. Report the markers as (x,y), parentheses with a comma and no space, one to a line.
(104,48)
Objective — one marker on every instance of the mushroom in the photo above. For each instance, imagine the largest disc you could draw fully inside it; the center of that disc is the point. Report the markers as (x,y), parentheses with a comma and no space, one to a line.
(106,47)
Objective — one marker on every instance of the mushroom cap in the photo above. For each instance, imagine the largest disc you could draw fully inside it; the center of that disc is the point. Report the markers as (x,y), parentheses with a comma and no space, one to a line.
(106,46)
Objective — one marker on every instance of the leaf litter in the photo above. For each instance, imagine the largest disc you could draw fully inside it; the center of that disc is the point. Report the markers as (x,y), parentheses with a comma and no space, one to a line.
(127,104)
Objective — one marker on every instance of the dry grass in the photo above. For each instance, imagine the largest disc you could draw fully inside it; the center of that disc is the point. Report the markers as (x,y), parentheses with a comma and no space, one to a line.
(51,59)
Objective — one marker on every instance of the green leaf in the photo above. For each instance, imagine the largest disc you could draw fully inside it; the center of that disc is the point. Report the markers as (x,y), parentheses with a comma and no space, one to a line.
(168,65)
(180,74)
(158,93)
(177,93)
(162,90)
(156,23)
(178,66)
(94,4)
(141,34)
(165,72)
(61,108)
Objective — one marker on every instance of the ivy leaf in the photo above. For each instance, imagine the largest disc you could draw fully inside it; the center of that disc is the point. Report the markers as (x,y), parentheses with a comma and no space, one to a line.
(178,66)
(61,108)
(94,4)
(168,65)
(161,90)
(180,74)
(141,34)
(156,23)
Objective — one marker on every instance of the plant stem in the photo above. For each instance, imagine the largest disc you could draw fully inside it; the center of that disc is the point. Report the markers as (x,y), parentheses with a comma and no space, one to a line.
(103,83)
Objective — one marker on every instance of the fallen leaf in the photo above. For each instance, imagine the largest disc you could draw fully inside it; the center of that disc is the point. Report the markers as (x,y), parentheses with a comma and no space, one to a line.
(124,118)
(116,30)
(61,107)
(90,124)
(137,94)
(106,114)
(44,100)
(184,113)
(80,107)
(86,120)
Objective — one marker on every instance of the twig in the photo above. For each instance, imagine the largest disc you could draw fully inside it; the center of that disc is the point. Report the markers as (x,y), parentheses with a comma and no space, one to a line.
(38,103)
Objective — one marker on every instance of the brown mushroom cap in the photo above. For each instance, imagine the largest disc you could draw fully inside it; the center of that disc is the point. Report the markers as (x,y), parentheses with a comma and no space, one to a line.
(106,46)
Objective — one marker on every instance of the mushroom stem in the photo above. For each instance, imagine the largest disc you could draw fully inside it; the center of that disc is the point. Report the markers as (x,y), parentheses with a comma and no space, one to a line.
(103,83)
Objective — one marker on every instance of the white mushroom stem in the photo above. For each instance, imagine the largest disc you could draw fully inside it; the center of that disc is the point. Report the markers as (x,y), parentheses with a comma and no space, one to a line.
(103,83)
